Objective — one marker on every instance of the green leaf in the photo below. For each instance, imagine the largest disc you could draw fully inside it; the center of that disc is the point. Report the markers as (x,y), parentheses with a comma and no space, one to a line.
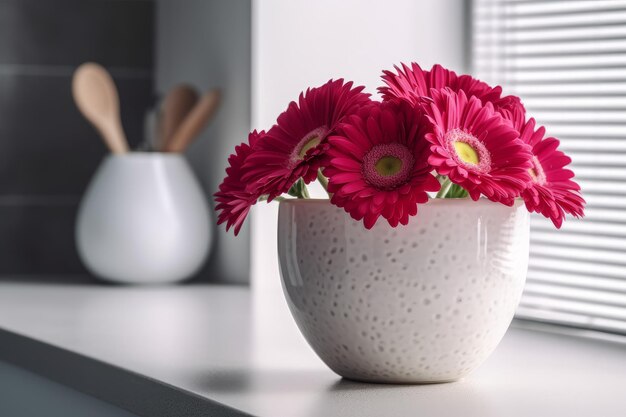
(456,191)
(294,191)
(446,183)
(299,190)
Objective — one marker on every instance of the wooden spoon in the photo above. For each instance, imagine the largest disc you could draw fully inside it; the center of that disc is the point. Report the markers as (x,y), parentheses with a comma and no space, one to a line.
(195,121)
(97,99)
(176,106)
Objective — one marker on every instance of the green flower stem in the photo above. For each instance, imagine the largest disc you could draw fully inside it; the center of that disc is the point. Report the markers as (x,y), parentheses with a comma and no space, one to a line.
(324,181)
(299,190)
(456,191)
(304,191)
(445,187)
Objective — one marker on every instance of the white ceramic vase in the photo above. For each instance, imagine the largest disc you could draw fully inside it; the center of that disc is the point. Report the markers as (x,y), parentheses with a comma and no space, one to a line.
(144,219)
(422,303)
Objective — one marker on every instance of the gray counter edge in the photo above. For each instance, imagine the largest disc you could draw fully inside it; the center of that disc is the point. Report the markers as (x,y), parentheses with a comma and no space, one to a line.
(128,390)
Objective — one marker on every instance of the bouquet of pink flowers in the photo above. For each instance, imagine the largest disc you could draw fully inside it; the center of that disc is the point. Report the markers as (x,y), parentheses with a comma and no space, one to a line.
(433,132)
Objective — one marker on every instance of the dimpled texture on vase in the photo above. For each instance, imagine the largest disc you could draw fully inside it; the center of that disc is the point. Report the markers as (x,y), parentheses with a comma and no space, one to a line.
(422,303)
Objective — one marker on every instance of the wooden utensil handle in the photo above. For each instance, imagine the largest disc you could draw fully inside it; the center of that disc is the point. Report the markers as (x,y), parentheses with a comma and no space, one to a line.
(195,121)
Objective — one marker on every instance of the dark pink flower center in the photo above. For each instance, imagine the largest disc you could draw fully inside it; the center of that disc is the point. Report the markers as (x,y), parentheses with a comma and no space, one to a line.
(468,151)
(536,171)
(388,166)
(308,142)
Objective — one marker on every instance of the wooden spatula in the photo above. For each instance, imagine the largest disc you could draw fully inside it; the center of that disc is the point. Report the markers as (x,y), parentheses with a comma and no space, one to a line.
(96,96)
(195,121)
(177,104)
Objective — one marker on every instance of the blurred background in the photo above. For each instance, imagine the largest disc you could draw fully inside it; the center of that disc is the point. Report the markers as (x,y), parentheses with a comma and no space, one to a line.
(566,59)
(49,152)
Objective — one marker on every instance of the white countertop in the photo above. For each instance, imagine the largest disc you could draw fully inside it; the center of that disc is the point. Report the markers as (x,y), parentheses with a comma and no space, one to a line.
(204,350)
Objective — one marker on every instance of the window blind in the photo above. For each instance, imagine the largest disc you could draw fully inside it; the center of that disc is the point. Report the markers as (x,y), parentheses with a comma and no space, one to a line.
(566,59)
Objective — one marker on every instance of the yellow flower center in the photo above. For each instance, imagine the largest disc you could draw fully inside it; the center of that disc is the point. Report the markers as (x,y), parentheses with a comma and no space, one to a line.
(466,153)
(388,165)
(310,143)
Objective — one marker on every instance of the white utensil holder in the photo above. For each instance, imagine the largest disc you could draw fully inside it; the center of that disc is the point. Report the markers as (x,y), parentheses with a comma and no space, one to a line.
(144,220)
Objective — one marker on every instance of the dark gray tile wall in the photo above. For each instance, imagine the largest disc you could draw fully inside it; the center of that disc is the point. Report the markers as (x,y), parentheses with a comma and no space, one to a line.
(116,33)
(48,152)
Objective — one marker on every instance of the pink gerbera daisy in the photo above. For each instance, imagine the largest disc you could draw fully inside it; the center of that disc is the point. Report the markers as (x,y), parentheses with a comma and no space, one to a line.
(552,191)
(235,196)
(295,146)
(378,164)
(476,148)
(516,117)
(414,84)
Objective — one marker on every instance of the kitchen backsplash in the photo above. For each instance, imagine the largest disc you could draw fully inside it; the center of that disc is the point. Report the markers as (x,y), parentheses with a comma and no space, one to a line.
(48,152)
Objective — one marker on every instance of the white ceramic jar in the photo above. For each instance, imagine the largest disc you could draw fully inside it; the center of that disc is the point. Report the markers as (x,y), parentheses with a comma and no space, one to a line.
(422,303)
(144,220)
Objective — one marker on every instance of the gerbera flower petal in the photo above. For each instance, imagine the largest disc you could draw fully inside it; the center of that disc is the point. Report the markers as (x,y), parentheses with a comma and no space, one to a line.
(235,196)
(295,146)
(413,85)
(476,147)
(551,192)
(394,174)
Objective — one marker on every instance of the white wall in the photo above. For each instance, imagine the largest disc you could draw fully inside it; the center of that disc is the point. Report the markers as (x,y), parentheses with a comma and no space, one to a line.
(301,43)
